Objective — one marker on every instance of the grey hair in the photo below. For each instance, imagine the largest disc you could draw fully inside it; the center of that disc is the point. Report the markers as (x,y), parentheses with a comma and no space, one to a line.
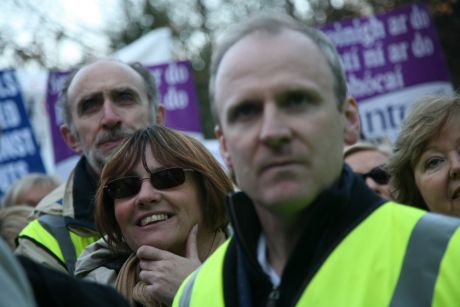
(63,104)
(274,24)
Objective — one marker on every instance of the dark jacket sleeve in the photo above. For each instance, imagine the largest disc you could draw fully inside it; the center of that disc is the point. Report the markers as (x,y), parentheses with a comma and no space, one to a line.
(53,288)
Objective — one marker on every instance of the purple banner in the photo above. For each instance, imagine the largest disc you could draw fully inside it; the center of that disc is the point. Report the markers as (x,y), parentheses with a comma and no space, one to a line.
(19,151)
(177,93)
(175,87)
(390,60)
(55,81)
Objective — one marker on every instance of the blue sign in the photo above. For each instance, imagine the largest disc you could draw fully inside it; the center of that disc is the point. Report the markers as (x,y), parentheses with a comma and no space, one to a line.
(19,151)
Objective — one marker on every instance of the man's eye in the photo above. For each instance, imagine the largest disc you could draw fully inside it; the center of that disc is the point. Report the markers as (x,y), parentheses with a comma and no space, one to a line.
(244,112)
(126,97)
(89,106)
(433,163)
(297,99)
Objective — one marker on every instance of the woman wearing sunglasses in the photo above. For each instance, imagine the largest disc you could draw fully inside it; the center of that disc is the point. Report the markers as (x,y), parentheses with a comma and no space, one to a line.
(368,160)
(425,167)
(160,205)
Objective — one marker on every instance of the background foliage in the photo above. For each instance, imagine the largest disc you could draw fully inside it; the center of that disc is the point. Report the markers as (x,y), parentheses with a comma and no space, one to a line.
(196,23)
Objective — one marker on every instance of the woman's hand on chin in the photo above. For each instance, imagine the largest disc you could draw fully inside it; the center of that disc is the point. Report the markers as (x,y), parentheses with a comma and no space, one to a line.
(163,271)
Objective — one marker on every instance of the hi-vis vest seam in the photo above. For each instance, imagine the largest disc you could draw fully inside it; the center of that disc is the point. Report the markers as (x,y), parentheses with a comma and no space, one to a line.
(56,226)
(433,231)
(49,233)
(187,292)
(184,294)
(40,244)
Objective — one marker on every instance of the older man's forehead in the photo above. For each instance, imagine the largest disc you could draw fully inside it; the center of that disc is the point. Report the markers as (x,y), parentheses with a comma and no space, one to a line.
(105,76)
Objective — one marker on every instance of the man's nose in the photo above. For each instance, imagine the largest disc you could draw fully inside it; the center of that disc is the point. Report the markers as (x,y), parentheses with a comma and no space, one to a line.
(110,117)
(275,129)
(454,171)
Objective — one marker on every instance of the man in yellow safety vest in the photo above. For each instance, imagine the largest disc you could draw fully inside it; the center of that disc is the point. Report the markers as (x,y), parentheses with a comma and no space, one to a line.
(307,230)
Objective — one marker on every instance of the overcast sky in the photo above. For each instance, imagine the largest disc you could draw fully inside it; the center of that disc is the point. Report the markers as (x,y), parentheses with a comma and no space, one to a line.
(26,21)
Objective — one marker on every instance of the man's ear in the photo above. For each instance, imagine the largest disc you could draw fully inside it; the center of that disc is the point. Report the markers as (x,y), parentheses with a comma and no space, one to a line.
(70,139)
(223,146)
(352,121)
(160,117)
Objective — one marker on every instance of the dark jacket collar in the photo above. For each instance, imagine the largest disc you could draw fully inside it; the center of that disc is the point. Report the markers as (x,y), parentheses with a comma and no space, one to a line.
(83,193)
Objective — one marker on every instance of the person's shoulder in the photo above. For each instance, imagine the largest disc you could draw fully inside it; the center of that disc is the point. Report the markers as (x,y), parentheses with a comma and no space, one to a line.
(52,288)
(51,203)
(399,211)
(14,286)
(32,246)
(92,264)
(402,209)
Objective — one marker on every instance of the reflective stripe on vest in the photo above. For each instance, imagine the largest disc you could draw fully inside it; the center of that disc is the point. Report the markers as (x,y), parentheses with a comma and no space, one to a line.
(37,233)
(51,233)
(187,291)
(429,238)
(373,266)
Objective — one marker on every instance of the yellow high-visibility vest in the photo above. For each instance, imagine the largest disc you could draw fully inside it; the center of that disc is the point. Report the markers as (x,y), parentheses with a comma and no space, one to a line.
(50,233)
(397,256)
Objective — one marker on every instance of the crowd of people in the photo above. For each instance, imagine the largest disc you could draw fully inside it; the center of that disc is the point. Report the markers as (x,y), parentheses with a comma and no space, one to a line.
(306,214)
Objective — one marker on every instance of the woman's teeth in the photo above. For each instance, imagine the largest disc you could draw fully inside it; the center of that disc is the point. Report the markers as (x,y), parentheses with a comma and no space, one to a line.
(153,218)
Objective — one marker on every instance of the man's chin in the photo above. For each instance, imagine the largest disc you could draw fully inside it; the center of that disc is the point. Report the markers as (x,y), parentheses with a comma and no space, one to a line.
(286,202)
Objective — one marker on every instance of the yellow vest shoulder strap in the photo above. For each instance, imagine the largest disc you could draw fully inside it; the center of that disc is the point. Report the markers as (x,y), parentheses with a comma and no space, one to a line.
(35,232)
(50,232)
(56,225)
(209,274)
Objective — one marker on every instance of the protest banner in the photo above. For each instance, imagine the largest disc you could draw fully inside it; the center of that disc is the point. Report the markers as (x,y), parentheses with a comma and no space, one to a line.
(390,60)
(19,151)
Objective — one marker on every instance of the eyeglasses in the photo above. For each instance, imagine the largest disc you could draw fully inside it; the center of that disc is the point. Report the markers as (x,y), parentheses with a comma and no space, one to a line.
(378,174)
(131,185)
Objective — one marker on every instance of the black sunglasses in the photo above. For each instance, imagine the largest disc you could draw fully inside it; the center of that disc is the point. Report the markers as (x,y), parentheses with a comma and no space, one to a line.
(131,185)
(378,174)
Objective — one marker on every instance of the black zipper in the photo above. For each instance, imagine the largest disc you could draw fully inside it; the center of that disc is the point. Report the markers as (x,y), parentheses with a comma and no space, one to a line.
(273,297)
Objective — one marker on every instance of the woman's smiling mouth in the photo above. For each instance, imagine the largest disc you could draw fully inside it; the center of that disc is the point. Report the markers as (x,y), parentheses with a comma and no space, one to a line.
(157,217)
